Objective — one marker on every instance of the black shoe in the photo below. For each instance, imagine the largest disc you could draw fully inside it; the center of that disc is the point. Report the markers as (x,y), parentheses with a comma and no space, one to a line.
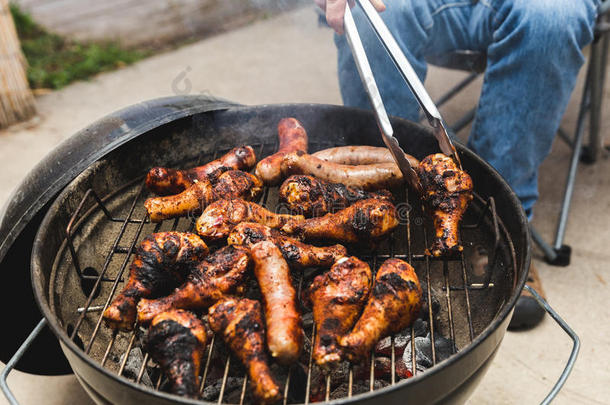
(528,313)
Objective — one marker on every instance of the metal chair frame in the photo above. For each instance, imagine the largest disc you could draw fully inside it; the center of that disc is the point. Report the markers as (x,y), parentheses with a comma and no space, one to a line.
(558,253)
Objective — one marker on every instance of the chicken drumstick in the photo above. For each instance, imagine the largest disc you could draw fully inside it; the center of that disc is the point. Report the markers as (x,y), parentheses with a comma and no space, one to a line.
(314,197)
(220,217)
(165,181)
(393,305)
(221,273)
(176,341)
(240,323)
(230,184)
(162,260)
(447,192)
(298,254)
(364,221)
(337,298)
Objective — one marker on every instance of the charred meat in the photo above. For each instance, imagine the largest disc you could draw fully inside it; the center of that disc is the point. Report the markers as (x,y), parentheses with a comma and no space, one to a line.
(165,181)
(176,341)
(394,303)
(314,197)
(223,272)
(230,184)
(220,217)
(162,261)
(337,298)
(297,254)
(364,221)
(240,323)
(447,193)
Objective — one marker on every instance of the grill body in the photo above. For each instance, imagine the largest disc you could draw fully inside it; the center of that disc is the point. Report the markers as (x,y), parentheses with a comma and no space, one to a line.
(116,180)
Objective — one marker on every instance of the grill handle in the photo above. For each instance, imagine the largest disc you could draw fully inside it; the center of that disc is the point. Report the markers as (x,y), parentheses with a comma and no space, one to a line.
(554,391)
(15,359)
(575,348)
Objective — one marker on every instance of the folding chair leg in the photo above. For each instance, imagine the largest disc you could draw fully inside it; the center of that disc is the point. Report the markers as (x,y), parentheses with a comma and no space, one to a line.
(559,254)
(464,121)
(599,53)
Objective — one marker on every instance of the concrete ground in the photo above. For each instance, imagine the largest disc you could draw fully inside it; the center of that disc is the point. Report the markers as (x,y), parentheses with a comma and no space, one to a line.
(290,59)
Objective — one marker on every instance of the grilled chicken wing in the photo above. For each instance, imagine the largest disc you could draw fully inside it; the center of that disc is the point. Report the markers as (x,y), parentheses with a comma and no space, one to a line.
(364,221)
(220,217)
(282,317)
(240,322)
(393,305)
(447,192)
(176,341)
(230,184)
(221,273)
(164,181)
(298,254)
(162,261)
(337,298)
(314,197)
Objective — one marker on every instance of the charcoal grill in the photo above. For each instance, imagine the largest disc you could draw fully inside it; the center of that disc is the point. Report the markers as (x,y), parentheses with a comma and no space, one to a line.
(89,234)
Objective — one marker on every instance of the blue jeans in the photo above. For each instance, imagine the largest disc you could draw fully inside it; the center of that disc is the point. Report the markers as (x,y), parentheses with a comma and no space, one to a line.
(533,50)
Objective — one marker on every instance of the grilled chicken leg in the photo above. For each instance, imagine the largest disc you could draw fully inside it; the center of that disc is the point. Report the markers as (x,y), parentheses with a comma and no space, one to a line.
(164,181)
(364,221)
(394,304)
(221,273)
(220,217)
(240,323)
(314,197)
(230,184)
(282,317)
(337,298)
(176,341)
(447,192)
(162,260)
(298,254)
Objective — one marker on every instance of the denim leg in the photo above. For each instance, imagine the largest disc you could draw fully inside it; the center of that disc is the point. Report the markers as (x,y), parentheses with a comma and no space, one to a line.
(534,55)
(533,62)
(408,21)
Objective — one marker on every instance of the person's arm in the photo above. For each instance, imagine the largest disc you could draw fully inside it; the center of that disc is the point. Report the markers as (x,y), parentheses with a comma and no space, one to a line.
(335,9)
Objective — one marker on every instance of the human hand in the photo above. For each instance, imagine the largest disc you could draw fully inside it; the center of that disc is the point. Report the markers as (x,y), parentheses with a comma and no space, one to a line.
(335,10)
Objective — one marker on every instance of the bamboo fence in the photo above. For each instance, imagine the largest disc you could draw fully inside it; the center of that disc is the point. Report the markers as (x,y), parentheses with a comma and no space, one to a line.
(16,99)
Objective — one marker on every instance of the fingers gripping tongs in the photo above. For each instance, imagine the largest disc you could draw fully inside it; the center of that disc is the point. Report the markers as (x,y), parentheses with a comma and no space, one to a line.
(409,75)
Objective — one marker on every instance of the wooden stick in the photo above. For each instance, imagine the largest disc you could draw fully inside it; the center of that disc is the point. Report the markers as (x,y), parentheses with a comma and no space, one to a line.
(16,99)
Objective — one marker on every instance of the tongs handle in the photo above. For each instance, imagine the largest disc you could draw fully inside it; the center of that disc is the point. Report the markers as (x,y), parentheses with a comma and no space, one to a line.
(368,80)
(412,80)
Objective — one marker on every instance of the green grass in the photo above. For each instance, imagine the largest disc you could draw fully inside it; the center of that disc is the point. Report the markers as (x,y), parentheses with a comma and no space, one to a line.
(55,61)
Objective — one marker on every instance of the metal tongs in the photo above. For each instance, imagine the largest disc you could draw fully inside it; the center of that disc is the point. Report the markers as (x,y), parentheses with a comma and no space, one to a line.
(409,75)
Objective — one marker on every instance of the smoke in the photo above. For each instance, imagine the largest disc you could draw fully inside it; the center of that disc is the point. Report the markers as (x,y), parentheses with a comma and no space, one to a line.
(282,5)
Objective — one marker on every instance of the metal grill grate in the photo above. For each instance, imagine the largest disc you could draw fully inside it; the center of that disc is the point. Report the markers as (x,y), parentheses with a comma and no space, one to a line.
(462,288)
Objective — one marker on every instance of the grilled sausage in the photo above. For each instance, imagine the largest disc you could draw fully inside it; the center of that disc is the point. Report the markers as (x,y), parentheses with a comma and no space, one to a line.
(165,181)
(284,328)
(360,155)
(368,177)
(292,137)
